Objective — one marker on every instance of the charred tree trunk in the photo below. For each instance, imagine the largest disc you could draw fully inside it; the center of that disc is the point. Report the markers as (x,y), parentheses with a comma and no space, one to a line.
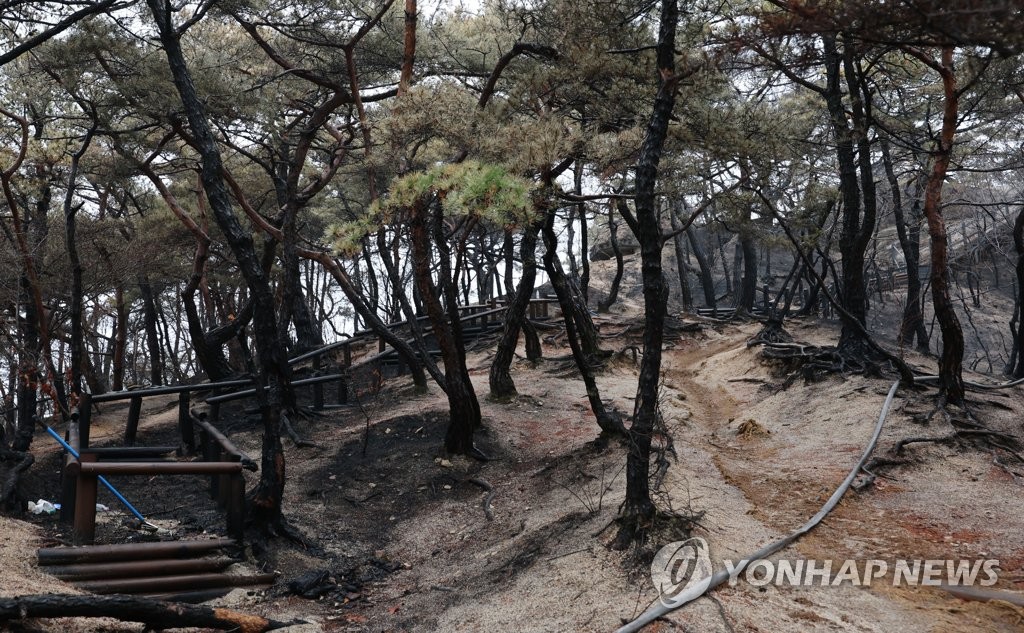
(1018,241)
(707,279)
(951,382)
(120,340)
(149,318)
(391,267)
(273,367)
(28,378)
(78,358)
(153,613)
(912,324)
(638,509)
(853,295)
(463,406)
(508,253)
(685,296)
(500,376)
(748,283)
(613,240)
(737,272)
(581,209)
(608,422)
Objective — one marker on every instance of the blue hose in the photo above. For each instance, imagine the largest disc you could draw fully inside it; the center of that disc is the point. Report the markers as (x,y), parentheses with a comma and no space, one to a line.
(102,479)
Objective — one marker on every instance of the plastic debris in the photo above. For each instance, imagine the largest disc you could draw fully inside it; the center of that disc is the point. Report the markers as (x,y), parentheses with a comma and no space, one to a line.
(41,507)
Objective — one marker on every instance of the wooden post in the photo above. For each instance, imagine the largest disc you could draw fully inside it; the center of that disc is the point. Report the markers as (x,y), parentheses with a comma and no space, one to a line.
(215,480)
(347,349)
(214,411)
(318,388)
(380,344)
(68,480)
(131,430)
(235,507)
(343,389)
(84,420)
(208,445)
(185,428)
(84,529)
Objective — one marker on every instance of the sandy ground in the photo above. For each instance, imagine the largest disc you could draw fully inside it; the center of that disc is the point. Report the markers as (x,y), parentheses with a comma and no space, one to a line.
(401,526)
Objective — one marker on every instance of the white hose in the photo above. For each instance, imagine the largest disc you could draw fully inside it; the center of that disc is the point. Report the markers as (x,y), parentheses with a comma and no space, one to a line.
(659,609)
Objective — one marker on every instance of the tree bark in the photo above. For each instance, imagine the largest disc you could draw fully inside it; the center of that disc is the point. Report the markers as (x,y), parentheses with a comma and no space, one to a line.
(500,376)
(951,382)
(609,424)
(1018,241)
(912,323)
(685,296)
(638,508)
(613,239)
(273,368)
(463,407)
(707,279)
(156,364)
(120,339)
(78,358)
(853,292)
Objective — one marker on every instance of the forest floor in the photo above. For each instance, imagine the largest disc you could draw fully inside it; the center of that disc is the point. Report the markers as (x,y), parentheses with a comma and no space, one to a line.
(400,527)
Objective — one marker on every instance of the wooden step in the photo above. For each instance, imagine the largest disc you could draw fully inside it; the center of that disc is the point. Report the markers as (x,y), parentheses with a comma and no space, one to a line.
(152,584)
(129,551)
(136,568)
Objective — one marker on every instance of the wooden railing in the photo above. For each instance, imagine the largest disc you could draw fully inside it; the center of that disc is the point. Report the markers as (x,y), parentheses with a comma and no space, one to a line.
(223,463)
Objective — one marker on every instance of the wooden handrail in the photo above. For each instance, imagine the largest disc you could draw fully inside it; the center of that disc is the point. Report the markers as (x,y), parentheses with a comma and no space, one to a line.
(157,468)
(226,445)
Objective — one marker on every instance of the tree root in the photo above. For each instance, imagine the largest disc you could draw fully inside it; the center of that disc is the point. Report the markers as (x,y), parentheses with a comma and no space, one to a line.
(483,483)
(290,430)
(772,332)
(964,429)
(813,362)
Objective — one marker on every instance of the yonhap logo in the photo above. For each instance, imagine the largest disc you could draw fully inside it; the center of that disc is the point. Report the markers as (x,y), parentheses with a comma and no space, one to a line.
(680,566)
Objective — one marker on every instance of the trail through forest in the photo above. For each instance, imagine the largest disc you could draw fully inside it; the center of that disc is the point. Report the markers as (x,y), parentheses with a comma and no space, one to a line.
(404,543)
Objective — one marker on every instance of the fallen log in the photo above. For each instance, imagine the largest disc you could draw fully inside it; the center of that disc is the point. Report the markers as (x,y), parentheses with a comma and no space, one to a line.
(153,613)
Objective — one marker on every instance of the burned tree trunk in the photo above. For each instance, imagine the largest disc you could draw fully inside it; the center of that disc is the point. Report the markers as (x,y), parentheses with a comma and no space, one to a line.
(391,267)
(156,364)
(856,229)
(707,280)
(274,372)
(951,382)
(638,508)
(608,422)
(912,324)
(685,296)
(78,358)
(748,282)
(1018,242)
(463,407)
(154,613)
(613,239)
(500,377)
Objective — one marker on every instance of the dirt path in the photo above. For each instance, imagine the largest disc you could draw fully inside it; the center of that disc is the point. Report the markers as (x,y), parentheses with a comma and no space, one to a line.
(784,458)
(402,531)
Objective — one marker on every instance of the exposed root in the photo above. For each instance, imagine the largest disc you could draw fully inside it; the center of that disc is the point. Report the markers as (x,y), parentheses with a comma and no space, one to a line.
(483,483)
(290,430)
(964,430)
(772,332)
(812,362)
